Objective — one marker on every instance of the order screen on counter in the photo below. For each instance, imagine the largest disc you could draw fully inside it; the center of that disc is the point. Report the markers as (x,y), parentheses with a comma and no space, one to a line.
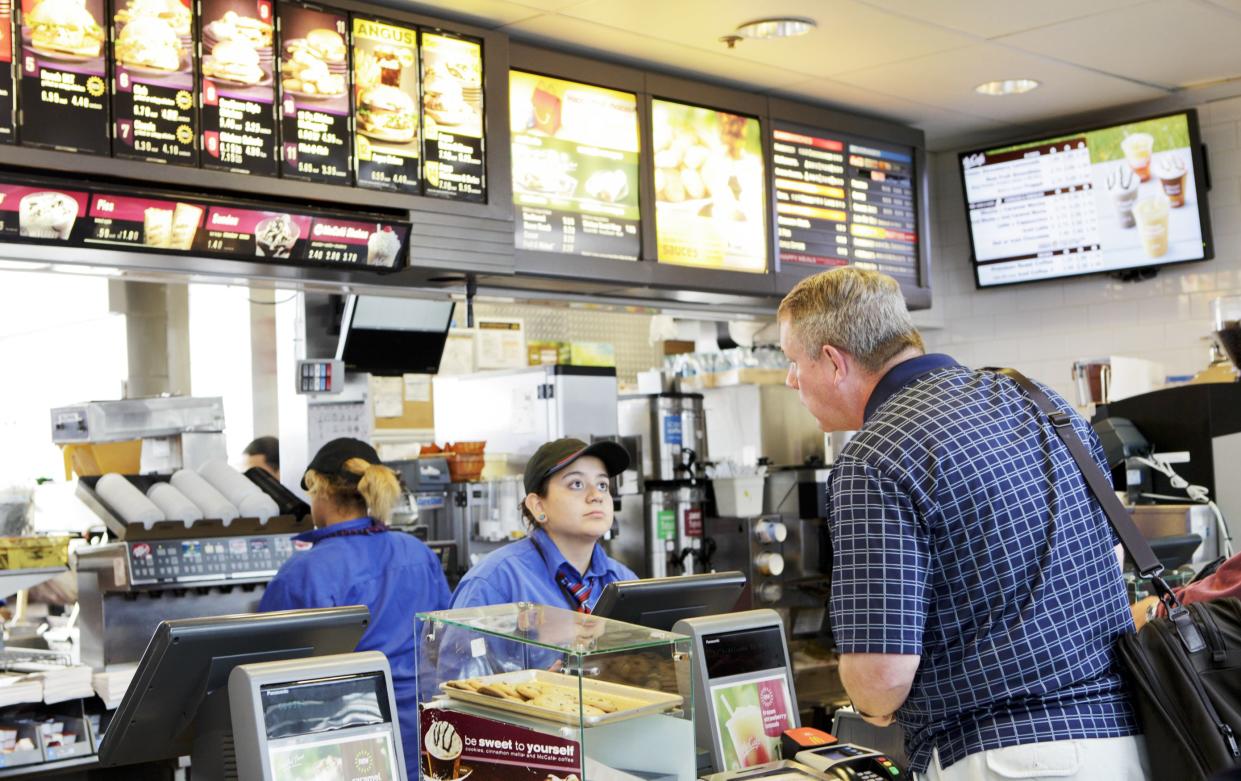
(1112,198)
(575,167)
(748,687)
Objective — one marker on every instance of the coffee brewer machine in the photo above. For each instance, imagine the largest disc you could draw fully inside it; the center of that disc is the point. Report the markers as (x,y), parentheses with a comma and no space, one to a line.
(662,534)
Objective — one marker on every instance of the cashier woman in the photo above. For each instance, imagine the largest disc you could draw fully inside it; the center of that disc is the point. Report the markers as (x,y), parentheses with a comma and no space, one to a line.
(568,506)
(356,560)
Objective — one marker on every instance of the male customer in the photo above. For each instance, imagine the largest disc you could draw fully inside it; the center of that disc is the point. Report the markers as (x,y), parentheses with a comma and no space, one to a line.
(976,595)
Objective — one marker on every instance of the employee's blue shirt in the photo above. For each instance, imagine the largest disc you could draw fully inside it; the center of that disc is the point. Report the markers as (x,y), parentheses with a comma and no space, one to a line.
(393,574)
(525,571)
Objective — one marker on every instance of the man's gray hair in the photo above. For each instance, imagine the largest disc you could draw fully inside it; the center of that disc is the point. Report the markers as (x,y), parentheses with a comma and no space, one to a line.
(855,310)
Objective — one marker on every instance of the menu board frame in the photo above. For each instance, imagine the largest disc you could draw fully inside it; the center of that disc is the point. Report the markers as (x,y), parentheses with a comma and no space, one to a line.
(1202,183)
(52,230)
(307,67)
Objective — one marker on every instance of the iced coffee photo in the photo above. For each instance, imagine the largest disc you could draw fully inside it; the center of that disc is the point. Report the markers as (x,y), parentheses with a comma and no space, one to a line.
(1151,215)
(1170,170)
(1138,148)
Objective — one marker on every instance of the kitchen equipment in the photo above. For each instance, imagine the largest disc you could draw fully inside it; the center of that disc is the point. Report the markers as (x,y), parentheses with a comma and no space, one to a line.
(1226,311)
(673,530)
(673,431)
(486,515)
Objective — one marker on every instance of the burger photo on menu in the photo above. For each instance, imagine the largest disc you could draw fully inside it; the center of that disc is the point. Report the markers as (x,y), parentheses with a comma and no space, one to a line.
(314,89)
(153,106)
(385,84)
(238,86)
(64,78)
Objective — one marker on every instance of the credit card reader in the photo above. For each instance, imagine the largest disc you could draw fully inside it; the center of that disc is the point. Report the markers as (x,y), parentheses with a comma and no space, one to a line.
(850,762)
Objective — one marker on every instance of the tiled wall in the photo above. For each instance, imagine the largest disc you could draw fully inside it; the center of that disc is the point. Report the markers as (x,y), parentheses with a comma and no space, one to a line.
(1043,328)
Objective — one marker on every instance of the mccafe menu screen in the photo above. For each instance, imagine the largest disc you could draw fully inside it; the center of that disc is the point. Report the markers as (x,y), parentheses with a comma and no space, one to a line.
(153,102)
(1118,197)
(314,94)
(238,86)
(575,167)
(64,75)
(452,117)
(842,201)
(385,105)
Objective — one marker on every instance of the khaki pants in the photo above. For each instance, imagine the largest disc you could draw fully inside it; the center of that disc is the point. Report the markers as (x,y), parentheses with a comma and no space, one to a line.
(1099,759)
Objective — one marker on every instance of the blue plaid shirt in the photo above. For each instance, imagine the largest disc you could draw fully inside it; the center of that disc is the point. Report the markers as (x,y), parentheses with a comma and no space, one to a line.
(963,532)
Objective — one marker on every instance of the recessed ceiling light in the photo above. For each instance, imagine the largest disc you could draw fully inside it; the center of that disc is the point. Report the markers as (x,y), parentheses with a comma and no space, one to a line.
(777,27)
(1006,87)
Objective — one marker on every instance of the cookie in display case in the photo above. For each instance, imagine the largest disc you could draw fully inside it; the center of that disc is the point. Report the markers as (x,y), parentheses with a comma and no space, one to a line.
(521,692)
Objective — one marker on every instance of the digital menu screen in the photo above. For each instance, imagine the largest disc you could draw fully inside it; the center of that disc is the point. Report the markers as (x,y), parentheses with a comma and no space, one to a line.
(7,135)
(238,86)
(44,213)
(1112,198)
(312,238)
(575,167)
(452,118)
(842,201)
(153,99)
(143,222)
(385,105)
(709,188)
(314,94)
(64,76)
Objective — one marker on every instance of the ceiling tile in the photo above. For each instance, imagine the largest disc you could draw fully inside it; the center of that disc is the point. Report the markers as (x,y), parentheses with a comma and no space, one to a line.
(561,30)
(979,17)
(850,35)
(1171,42)
(947,80)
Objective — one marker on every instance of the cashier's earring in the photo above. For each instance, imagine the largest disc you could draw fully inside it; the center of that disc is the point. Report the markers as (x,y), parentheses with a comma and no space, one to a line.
(542,517)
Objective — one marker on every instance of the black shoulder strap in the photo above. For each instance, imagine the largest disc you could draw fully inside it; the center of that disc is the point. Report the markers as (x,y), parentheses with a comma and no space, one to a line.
(1101,486)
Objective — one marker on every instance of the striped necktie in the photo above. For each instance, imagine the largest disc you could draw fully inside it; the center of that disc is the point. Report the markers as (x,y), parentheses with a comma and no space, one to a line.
(578,588)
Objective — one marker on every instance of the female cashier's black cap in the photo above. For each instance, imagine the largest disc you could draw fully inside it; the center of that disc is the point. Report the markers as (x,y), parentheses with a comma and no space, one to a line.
(331,458)
(556,455)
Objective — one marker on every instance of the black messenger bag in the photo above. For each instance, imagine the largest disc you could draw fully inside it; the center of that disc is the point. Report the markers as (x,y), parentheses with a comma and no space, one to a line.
(1184,671)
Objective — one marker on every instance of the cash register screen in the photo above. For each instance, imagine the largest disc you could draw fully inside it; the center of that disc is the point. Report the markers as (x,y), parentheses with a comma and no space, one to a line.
(330,728)
(748,686)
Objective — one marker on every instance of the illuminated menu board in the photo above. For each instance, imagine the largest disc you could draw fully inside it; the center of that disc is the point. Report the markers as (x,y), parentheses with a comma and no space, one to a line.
(64,76)
(314,94)
(841,201)
(385,105)
(6,73)
(238,86)
(575,167)
(153,79)
(48,213)
(452,118)
(709,188)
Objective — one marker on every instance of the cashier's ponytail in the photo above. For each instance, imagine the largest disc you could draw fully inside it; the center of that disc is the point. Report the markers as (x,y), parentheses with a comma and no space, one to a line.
(378,487)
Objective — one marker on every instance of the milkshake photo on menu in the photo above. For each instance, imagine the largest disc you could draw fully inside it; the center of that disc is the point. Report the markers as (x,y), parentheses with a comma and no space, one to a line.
(238,86)
(154,81)
(63,87)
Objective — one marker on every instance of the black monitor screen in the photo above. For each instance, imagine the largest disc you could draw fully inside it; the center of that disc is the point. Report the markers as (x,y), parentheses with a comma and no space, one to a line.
(390,336)
(746,651)
(318,706)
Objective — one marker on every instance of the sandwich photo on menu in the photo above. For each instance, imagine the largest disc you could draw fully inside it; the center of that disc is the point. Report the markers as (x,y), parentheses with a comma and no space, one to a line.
(385,84)
(64,30)
(452,116)
(63,90)
(314,93)
(237,49)
(153,103)
(238,86)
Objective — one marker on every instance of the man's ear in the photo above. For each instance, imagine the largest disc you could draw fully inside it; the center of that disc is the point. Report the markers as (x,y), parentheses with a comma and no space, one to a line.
(840,361)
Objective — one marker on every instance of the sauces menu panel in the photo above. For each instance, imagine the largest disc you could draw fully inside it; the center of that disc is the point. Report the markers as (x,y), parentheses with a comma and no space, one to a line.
(575,167)
(385,105)
(64,75)
(314,94)
(153,100)
(452,118)
(7,135)
(842,201)
(709,188)
(238,86)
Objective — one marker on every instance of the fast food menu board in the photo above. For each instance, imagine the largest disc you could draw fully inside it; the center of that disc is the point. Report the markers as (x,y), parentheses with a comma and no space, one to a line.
(170,224)
(385,105)
(7,136)
(42,213)
(64,75)
(238,87)
(709,188)
(1111,198)
(842,201)
(575,167)
(452,118)
(153,100)
(314,94)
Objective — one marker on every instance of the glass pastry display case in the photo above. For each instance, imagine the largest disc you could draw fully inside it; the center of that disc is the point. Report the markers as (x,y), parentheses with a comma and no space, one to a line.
(526,691)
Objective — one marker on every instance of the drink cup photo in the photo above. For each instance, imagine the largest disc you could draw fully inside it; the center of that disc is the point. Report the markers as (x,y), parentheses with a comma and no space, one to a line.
(443,752)
(1137,149)
(745,728)
(1122,187)
(1170,169)
(1151,215)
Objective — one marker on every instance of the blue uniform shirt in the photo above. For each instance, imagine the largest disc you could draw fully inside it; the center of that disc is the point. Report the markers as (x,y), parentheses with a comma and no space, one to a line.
(391,573)
(525,571)
(964,532)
